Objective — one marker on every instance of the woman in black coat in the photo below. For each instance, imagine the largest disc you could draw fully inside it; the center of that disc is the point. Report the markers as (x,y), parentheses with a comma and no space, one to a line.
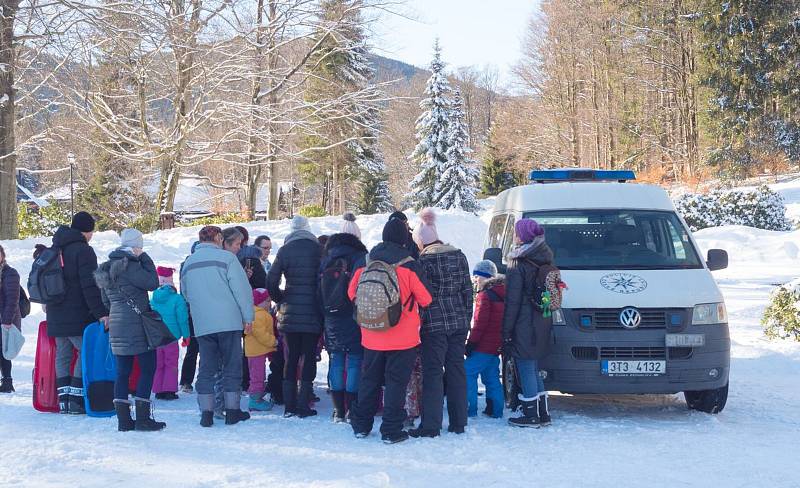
(9,314)
(124,281)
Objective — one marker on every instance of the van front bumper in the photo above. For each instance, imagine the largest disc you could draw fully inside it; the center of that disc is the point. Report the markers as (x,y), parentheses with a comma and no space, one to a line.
(687,369)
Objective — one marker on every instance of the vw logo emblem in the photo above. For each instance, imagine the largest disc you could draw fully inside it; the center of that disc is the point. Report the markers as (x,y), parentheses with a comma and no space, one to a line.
(630,318)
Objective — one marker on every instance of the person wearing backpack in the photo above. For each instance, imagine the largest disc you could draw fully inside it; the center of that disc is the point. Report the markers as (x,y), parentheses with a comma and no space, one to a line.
(531,277)
(79,305)
(445,325)
(387,294)
(299,313)
(344,254)
(10,315)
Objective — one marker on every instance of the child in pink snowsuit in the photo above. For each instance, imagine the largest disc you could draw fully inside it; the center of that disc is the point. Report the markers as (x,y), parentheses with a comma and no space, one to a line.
(172,307)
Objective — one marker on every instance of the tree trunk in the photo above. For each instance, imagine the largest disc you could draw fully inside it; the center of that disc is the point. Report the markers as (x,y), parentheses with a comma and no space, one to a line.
(8,156)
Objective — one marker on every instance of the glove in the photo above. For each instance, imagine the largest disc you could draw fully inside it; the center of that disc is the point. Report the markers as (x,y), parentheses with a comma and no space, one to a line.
(469,349)
(185,342)
(507,348)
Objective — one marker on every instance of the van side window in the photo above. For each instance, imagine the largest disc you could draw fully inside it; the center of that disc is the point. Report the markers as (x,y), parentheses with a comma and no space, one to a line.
(508,238)
(496,228)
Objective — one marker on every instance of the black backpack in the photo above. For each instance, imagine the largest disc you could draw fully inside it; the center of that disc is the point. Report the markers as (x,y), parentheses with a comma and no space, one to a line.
(46,282)
(334,282)
(24,303)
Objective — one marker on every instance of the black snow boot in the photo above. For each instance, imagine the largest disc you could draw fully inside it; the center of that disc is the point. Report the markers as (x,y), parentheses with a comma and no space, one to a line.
(420,432)
(289,398)
(304,398)
(144,417)
(233,408)
(395,438)
(76,403)
(530,415)
(124,420)
(351,400)
(206,404)
(62,384)
(338,406)
(489,410)
(7,385)
(544,410)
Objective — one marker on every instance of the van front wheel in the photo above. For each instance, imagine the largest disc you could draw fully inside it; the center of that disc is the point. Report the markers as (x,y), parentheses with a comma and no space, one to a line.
(708,401)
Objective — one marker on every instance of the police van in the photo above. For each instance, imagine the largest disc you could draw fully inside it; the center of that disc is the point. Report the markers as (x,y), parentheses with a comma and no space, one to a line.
(642,313)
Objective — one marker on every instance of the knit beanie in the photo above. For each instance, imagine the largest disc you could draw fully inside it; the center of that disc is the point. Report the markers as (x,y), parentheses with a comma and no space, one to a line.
(399,216)
(425,233)
(395,231)
(485,269)
(83,222)
(260,295)
(165,275)
(132,238)
(300,223)
(528,229)
(349,225)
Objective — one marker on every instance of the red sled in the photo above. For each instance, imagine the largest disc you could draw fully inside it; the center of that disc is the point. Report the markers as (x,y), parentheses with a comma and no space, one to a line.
(45,394)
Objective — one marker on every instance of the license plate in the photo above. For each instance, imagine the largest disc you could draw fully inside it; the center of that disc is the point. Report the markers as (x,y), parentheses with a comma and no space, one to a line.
(686,340)
(633,368)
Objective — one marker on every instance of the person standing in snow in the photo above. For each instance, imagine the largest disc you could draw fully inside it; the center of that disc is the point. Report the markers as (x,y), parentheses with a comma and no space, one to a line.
(345,253)
(173,310)
(81,306)
(264,244)
(389,354)
(124,281)
(216,288)
(258,344)
(526,329)
(299,314)
(485,339)
(445,324)
(9,314)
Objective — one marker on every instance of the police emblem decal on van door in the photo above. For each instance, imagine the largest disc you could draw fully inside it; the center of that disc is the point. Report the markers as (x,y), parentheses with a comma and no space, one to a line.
(624,283)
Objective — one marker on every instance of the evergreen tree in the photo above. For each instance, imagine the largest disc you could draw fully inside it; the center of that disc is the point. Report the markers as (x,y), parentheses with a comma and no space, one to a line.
(496,176)
(457,184)
(432,134)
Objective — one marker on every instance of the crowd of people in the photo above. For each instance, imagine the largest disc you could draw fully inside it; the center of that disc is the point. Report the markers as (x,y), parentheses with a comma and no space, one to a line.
(407,325)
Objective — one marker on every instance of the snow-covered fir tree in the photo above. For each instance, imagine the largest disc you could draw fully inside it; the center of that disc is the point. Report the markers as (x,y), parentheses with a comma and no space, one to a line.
(373,187)
(457,183)
(433,127)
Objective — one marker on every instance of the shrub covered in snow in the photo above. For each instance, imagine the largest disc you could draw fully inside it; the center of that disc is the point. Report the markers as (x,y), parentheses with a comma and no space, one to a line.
(781,319)
(761,208)
(41,221)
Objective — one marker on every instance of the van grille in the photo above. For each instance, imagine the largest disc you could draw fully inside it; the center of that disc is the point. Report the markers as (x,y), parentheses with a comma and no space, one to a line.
(633,353)
(652,318)
(584,353)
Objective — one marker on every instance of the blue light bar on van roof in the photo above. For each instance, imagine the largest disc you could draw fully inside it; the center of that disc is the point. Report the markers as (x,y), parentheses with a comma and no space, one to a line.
(559,175)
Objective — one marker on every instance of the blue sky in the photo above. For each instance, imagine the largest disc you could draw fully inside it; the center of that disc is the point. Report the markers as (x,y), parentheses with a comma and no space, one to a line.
(472,32)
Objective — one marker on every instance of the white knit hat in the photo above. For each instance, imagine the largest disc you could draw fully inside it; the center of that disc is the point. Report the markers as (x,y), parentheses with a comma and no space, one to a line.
(349,225)
(132,238)
(300,223)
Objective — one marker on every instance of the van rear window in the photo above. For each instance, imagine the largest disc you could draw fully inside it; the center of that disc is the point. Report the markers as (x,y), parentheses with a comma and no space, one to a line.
(617,239)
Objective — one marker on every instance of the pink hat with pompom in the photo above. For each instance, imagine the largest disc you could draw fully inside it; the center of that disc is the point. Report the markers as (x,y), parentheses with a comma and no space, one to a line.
(426,233)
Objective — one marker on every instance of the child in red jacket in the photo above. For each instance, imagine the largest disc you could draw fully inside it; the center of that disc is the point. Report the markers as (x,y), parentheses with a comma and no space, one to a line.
(485,339)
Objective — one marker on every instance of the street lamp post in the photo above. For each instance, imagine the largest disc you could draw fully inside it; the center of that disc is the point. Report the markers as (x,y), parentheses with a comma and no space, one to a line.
(71,161)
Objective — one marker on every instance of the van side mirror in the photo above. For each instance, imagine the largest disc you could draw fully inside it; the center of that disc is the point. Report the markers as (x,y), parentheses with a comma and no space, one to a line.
(717,259)
(495,255)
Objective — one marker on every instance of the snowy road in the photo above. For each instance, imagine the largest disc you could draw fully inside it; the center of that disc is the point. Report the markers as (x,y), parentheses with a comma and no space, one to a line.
(622,441)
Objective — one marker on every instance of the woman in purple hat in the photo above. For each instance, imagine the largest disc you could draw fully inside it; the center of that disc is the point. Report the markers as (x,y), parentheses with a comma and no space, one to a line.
(533,290)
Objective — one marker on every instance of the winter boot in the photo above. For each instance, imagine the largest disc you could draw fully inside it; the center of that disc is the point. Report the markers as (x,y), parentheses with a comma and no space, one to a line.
(233,408)
(488,411)
(76,403)
(257,403)
(303,408)
(420,432)
(395,438)
(63,393)
(544,410)
(6,385)
(338,406)
(144,417)
(124,421)
(289,398)
(206,404)
(351,399)
(455,429)
(187,388)
(530,415)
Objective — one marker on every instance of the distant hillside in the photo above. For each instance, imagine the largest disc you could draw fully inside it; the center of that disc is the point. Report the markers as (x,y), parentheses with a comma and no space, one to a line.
(388,69)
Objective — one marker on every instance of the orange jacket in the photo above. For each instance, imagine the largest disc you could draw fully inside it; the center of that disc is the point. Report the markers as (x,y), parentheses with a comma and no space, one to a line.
(404,335)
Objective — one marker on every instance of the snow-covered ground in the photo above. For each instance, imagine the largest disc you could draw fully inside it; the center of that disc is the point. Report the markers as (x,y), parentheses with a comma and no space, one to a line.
(594,441)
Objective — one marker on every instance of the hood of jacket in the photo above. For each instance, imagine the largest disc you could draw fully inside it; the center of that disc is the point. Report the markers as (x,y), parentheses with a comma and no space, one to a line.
(540,253)
(341,245)
(298,235)
(438,248)
(497,285)
(163,294)
(389,252)
(109,272)
(66,235)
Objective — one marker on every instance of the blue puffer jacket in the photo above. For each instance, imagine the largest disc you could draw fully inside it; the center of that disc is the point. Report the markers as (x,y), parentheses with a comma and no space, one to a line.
(342,333)
(172,308)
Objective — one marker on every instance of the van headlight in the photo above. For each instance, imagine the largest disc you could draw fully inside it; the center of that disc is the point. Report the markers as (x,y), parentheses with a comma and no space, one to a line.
(558,317)
(709,313)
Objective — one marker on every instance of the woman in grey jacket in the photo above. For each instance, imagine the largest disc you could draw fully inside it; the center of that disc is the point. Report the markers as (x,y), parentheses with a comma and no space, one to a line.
(124,281)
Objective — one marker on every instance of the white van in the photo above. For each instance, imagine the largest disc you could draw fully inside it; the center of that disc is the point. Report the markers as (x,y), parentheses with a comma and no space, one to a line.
(642,313)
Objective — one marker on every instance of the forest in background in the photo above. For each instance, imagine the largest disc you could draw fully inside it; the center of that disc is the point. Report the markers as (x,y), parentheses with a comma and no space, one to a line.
(252,94)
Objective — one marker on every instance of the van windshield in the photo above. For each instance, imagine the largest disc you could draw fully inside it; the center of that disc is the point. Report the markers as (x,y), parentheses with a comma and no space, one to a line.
(617,239)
